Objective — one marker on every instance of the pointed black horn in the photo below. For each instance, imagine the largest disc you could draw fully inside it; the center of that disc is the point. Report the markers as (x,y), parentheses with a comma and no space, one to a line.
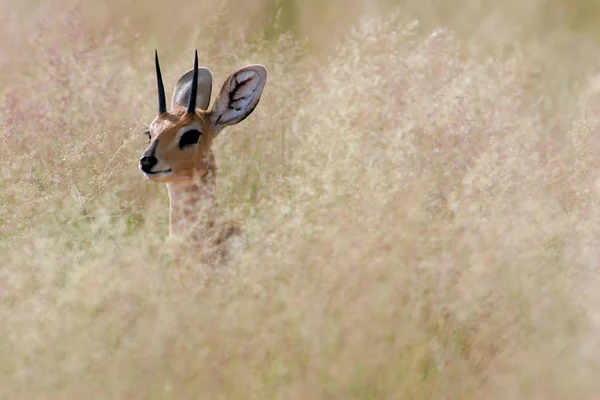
(162,100)
(191,109)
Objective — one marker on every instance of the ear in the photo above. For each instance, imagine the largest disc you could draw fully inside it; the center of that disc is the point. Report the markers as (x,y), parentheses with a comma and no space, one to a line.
(181,93)
(239,96)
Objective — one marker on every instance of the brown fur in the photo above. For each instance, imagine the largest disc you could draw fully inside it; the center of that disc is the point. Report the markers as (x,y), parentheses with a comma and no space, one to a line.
(184,164)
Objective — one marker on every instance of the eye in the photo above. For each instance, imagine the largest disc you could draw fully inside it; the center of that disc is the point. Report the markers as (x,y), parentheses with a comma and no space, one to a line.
(189,138)
(147,133)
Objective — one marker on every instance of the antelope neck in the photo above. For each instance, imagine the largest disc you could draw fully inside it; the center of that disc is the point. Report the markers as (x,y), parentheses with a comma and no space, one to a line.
(192,204)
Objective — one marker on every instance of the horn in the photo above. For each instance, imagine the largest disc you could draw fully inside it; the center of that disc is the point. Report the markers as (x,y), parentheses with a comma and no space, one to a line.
(162,101)
(191,109)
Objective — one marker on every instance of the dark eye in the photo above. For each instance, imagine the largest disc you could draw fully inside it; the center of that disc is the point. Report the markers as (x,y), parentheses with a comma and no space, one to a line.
(189,138)
(147,133)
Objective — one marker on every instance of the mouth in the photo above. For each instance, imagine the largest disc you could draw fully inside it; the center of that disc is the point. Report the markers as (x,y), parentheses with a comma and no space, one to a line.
(166,171)
(157,173)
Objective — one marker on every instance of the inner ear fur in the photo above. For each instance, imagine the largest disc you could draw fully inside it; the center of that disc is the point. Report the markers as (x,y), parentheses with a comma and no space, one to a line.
(239,95)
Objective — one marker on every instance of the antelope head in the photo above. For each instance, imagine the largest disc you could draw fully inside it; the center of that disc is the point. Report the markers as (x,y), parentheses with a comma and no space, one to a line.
(180,140)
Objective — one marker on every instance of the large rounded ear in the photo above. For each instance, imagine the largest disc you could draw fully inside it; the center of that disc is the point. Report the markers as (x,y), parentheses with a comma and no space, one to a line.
(181,93)
(239,96)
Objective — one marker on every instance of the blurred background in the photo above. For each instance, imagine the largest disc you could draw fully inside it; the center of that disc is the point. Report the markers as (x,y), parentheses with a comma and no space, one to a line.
(160,24)
(419,188)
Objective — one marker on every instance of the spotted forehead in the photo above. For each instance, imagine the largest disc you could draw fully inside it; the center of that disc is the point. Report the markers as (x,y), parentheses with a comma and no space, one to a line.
(165,122)
(172,122)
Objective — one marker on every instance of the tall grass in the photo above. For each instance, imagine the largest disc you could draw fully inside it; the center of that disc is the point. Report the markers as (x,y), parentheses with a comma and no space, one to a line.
(420,205)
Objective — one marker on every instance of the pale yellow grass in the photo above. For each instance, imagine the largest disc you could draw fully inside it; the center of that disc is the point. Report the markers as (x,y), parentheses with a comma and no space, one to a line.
(421,210)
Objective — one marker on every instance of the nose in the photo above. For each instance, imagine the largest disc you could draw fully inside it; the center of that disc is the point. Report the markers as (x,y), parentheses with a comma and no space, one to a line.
(147,162)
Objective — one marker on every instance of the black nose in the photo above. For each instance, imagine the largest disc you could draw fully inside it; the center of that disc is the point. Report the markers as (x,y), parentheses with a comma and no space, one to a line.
(147,162)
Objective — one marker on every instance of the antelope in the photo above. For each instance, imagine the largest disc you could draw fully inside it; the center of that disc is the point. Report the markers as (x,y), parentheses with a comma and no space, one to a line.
(180,150)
